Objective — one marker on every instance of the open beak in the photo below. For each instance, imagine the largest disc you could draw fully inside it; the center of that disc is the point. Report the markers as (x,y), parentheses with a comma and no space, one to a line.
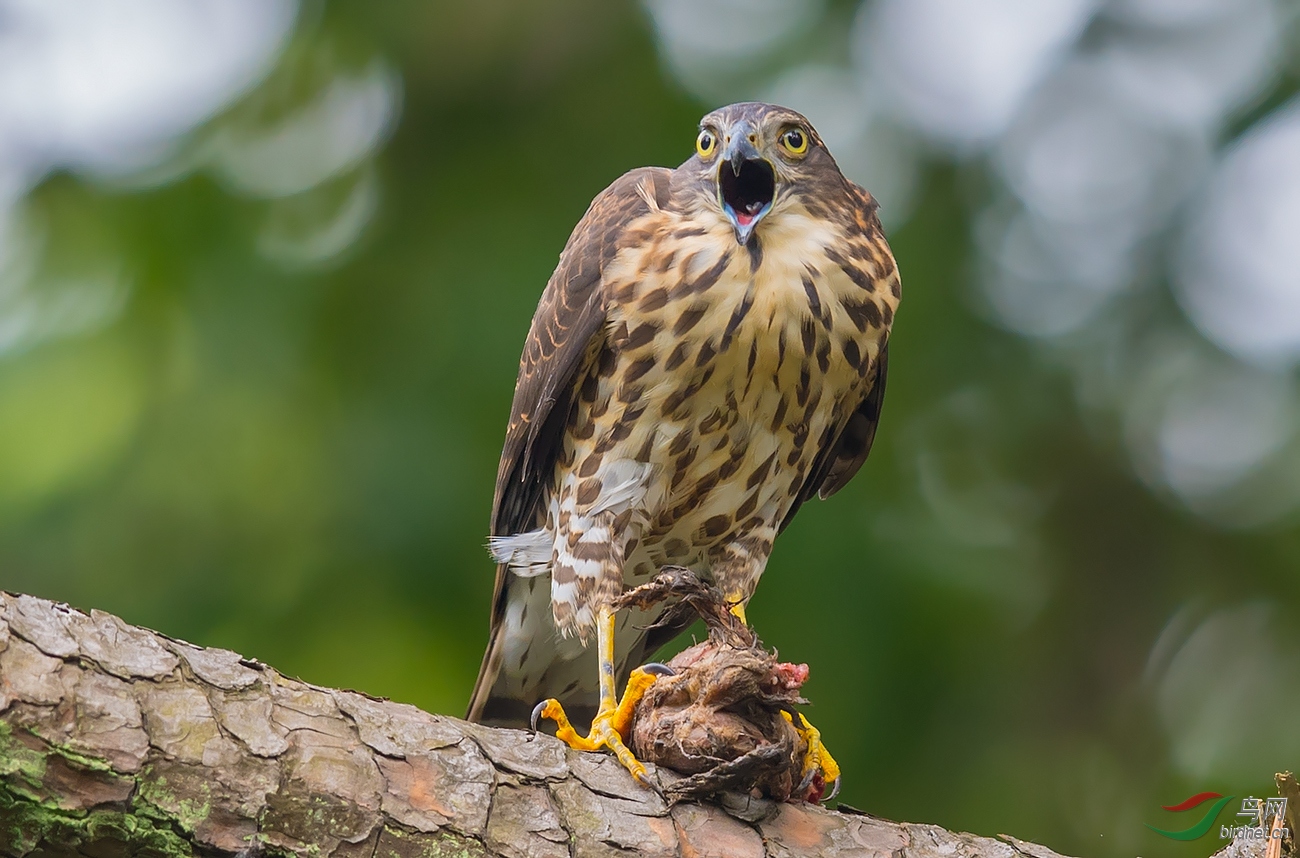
(746,182)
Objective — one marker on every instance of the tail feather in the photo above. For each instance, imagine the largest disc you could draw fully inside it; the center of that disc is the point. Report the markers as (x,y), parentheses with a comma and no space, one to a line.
(481,700)
(528,661)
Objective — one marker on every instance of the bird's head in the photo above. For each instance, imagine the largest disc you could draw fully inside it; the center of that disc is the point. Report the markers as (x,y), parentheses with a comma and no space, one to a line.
(752,158)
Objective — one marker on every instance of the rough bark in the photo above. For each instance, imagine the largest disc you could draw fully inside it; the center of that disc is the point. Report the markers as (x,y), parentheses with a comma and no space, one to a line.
(115,740)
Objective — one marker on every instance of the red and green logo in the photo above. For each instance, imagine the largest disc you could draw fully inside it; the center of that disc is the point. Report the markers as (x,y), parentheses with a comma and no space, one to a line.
(1201,828)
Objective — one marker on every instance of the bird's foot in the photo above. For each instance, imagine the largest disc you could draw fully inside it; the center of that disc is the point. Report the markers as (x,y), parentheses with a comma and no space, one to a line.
(818,764)
(738,611)
(612,725)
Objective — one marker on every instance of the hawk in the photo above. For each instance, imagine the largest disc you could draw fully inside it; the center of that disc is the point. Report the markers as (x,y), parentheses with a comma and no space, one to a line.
(709,354)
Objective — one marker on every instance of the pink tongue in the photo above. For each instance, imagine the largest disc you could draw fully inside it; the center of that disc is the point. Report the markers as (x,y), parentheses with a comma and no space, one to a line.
(744,219)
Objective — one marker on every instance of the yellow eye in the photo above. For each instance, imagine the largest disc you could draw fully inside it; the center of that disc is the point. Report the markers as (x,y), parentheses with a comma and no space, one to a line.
(795,141)
(706,144)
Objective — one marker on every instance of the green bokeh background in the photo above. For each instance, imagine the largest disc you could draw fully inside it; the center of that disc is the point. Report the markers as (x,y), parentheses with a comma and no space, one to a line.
(297,463)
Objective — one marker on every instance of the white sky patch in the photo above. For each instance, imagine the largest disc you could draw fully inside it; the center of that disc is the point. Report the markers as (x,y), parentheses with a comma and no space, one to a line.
(715,45)
(1238,268)
(107,88)
(331,134)
(958,70)
(107,85)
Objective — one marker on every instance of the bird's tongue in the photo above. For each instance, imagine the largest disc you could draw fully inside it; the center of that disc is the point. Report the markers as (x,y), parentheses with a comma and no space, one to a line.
(746,216)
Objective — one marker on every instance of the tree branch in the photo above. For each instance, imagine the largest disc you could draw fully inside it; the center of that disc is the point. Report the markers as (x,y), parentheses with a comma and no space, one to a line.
(115,740)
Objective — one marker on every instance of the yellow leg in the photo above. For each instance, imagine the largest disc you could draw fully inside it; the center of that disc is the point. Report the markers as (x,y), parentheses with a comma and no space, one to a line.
(817,758)
(605,651)
(610,727)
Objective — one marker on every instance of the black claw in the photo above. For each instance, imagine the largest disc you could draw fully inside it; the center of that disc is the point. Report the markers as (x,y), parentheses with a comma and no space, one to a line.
(658,669)
(835,790)
(651,785)
(806,782)
(537,715)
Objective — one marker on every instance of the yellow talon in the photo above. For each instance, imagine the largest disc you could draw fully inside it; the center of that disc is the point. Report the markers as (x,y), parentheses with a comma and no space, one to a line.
(613,721)
(738,607)
(563,729)
(817,758)
(637,684)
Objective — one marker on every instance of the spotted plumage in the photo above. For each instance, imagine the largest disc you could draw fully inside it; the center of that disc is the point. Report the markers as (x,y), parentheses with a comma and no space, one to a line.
(709,353)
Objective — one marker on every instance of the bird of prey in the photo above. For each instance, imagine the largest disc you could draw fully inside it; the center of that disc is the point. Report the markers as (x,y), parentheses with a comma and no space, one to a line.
(709,354)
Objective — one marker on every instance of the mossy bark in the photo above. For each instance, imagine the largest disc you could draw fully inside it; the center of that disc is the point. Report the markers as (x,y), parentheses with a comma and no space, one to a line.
(115,741)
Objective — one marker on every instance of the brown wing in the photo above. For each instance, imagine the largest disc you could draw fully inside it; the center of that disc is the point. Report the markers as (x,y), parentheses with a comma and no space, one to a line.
(569,318)
(569,321)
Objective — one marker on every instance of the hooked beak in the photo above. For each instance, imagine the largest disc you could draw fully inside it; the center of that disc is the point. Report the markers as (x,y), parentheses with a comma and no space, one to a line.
(746,182)
(740,149)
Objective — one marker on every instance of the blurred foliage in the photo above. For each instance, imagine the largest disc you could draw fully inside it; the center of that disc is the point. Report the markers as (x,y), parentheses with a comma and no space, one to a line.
(288,449)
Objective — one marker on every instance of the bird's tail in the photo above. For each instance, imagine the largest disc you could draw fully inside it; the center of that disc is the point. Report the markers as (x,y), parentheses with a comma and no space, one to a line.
(528,661)
(482,700)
